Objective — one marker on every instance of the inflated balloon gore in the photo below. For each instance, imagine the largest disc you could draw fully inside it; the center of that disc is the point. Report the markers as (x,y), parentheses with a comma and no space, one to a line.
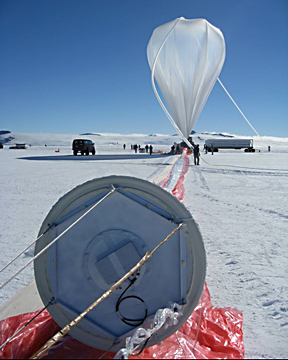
(186,58)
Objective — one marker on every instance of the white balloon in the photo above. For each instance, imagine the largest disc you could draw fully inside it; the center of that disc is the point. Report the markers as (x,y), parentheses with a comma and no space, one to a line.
(186,58)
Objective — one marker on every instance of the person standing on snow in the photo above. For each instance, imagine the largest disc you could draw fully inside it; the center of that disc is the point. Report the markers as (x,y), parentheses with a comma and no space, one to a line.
(196,153)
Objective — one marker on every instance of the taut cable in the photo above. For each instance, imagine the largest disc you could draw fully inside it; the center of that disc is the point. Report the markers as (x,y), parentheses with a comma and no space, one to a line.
(57,238)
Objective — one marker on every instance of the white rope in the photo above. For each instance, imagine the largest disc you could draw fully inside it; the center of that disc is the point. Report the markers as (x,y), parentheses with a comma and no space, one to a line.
(56,239)
(156,92)
(34,242)
(179,342)
(198,327)
(224,88)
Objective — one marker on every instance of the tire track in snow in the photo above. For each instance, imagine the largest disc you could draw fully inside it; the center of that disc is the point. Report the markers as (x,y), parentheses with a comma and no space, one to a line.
(245,172)
(199,172)
(246,266)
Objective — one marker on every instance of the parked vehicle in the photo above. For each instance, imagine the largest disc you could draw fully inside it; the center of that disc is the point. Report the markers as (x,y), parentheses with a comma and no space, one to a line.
(216,144)
(84,146)
(19,146)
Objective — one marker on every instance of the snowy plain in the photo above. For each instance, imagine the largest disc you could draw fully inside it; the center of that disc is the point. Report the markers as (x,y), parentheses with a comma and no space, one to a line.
(239,200)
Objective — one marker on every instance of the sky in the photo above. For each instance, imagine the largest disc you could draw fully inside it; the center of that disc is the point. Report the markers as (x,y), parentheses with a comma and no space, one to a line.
(71,66)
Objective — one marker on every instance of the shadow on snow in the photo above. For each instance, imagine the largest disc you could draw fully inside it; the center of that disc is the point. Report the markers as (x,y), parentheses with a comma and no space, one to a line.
(93,157)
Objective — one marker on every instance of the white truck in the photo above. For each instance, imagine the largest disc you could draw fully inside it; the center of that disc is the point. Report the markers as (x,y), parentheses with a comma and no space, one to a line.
(216,144)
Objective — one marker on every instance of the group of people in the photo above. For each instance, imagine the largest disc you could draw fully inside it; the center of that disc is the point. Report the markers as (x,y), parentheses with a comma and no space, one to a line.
(135,147)
(175,150)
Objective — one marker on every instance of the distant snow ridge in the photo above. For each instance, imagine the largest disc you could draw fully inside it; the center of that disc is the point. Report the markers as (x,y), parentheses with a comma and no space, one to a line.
(5,139)
(219,134)
(4,132)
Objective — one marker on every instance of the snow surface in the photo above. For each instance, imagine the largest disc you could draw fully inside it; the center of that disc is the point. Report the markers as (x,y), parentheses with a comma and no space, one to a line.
(239,201)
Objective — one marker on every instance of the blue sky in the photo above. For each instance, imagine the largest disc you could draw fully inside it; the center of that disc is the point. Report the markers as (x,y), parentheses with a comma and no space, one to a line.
(75,66)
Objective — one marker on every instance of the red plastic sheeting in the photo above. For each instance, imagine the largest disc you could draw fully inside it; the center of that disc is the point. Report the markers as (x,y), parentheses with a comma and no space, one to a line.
(218,334)
(179,189)
(218,330)
(209,332)
(30,339)
(35,335)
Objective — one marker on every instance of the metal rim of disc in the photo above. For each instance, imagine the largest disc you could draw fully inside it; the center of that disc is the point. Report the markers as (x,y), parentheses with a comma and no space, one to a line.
(166,202)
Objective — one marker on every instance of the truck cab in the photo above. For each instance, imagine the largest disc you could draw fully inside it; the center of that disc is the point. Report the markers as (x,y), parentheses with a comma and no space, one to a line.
(84,146)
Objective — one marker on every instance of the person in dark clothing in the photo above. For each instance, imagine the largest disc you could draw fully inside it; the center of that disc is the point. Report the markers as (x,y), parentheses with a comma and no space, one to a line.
(146,149)
(178,149)
(150,149)
(135,148)
(196,152)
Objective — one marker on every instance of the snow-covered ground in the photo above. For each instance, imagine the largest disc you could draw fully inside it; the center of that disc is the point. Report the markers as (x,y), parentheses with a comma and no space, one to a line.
(239,201)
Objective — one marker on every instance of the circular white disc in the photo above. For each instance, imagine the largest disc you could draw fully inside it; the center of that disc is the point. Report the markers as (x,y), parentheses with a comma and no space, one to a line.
(104,245)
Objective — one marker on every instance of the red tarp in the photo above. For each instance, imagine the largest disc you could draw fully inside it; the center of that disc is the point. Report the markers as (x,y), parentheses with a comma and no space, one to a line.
(209,332)
(219,336)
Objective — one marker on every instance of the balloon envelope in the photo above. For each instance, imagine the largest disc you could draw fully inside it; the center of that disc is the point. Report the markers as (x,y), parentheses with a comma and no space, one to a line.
(186,58)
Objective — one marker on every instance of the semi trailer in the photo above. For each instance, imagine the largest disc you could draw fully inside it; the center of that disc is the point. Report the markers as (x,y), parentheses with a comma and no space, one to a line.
(216,144)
